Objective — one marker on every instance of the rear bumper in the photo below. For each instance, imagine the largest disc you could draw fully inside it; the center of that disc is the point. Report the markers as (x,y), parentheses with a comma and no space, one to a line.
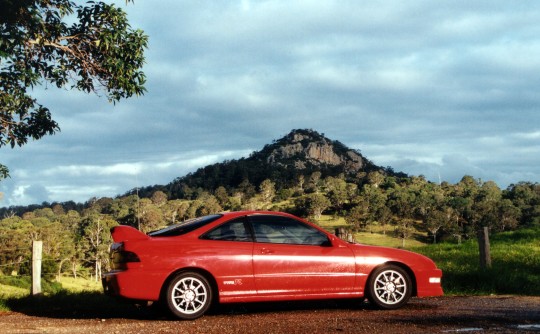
(110,284)
(132,285)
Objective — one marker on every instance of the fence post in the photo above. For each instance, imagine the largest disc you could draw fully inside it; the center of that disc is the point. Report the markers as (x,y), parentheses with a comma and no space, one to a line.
(343,234)
(340,233)
(37,248)
(483,244)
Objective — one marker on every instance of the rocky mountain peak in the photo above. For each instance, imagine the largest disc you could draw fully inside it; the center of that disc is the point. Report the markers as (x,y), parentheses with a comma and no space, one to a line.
(303,149)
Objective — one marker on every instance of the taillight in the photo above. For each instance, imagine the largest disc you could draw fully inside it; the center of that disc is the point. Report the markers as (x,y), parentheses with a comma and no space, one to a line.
(119,256)
(125,257)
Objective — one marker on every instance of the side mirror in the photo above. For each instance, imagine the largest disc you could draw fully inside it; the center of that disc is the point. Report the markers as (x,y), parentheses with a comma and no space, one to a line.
(328,242)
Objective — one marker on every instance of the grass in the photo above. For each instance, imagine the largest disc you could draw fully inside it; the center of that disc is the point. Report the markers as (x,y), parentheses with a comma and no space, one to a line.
(379,239)
(79,284)
(515,266)
(10,292)
(373,237)
(18,288)
(69,297)
(7,291)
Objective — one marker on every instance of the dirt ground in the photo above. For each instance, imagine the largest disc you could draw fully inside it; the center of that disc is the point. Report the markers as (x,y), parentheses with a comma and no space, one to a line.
(493,314)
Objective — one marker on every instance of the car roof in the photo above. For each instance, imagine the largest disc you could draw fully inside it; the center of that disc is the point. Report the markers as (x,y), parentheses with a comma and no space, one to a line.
(230,214)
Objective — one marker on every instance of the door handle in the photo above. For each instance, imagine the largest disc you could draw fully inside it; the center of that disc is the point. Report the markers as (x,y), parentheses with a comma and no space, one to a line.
(266,251)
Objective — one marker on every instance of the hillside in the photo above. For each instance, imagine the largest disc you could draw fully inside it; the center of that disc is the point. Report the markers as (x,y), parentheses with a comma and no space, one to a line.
(298,154)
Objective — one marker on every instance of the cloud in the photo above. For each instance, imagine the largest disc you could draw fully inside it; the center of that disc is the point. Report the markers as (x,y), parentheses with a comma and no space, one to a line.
(30,194)
(434,88)
(59,183)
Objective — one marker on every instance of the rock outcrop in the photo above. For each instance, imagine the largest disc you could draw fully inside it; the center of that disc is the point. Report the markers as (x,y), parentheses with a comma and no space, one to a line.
(301,148)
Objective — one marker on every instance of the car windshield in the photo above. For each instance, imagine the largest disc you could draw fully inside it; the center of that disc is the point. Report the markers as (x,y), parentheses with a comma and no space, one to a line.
(185,226)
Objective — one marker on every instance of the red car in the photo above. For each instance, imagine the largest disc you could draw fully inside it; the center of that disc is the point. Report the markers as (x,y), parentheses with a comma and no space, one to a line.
(259,256)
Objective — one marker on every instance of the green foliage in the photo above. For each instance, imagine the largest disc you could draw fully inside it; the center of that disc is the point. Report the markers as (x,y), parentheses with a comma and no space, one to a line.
(4,172)
(90,47)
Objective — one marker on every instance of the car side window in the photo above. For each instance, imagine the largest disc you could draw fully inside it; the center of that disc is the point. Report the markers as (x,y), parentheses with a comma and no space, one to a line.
(234,230)
(284,230)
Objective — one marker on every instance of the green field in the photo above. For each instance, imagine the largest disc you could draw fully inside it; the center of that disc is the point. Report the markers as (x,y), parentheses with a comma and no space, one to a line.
(515,265)
(376,236)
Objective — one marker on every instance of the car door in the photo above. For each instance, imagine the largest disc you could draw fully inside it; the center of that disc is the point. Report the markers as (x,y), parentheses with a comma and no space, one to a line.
(292,259)
(229,257)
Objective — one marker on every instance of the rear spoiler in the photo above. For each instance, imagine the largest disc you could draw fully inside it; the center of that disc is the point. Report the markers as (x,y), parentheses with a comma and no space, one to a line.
(122,232)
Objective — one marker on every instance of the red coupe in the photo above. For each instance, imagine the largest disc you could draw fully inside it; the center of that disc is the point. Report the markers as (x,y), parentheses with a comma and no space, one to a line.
(259,256)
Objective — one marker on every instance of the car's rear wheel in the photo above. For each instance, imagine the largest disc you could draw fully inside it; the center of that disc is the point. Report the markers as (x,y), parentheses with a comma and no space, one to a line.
(389,287)
(189,295)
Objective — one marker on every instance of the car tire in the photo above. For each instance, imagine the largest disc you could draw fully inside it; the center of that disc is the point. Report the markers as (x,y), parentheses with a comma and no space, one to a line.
(189,295)
(389,287)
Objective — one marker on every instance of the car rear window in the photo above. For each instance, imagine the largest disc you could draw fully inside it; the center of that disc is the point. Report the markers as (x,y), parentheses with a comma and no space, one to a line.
(185,226)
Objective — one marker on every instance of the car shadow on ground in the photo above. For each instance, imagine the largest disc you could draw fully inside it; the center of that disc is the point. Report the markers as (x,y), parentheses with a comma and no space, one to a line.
(93,305)
(86,305)
(315,305)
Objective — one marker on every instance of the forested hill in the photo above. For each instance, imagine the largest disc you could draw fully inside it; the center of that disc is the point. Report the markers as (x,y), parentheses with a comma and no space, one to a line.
(297,157)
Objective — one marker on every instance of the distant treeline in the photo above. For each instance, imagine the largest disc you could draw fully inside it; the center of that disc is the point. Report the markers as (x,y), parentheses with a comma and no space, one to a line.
(76,236)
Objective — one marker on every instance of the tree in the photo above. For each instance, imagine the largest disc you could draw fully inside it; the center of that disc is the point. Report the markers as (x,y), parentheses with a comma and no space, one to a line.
(456,209)
(526,197)
(464,197)
(383,215)
(222,196)
(174,211)
(485,205)
(358,216)
(95,239)
(430,207)
(374,200)
(159,198)
(16,237)
(267,191)
(434,221)
(336,191)
(401,201)
(313,182)
(149,216)
(374,195)
(375,178)
(90,47)
(312,205)
(508,215)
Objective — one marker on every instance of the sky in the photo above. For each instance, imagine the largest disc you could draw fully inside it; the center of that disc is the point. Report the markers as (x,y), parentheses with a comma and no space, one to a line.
(436,88)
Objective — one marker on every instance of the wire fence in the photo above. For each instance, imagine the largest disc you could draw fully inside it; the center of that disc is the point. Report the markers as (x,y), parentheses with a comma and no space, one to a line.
(65,261)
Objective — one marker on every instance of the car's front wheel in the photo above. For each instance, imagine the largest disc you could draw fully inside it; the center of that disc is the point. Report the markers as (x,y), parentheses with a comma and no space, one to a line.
(389,287)
(189,295)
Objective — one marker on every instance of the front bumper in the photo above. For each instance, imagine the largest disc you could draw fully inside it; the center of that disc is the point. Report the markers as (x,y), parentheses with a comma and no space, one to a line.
(429,283)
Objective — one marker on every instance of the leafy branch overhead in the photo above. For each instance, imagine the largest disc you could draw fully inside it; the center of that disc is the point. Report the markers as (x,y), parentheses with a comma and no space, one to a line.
(90,47)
